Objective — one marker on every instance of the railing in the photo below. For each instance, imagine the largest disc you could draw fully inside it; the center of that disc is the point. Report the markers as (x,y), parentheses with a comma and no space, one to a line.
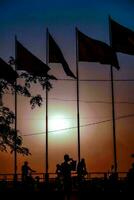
(89,176)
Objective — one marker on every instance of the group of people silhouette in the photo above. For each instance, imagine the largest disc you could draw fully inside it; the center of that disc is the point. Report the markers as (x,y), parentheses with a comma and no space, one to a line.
(63,171)
(70,170)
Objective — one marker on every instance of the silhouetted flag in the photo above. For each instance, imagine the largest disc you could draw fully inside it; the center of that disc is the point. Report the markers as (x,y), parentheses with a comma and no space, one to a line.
(26,61)
(122,38)
(92,50)
(6,72)
(56,56)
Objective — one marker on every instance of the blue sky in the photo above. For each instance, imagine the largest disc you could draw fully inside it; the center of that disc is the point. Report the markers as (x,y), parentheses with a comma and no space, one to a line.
(29,19)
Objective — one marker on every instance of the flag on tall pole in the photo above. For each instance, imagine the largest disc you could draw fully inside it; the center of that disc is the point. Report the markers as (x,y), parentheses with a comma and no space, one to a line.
(26,61)
(47,61)
(78,101)
(15,138)
(113,106)
(122,38)
(56,56)
(91,50)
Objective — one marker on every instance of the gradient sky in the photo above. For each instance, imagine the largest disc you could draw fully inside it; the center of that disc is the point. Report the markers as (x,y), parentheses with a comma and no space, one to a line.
(28,20)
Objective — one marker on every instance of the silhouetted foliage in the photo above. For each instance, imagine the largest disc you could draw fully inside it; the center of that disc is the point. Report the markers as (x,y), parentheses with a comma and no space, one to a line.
(36,100)
(8,134)
(43,81)
(4,86)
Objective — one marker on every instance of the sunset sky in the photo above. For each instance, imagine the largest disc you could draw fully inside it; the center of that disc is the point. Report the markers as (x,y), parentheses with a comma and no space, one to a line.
(28,20)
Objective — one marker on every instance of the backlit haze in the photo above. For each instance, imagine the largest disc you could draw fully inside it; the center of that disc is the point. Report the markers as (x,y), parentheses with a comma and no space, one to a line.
(29,20)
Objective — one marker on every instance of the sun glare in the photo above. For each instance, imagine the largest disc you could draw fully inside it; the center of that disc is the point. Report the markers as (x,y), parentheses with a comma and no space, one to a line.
(58,123)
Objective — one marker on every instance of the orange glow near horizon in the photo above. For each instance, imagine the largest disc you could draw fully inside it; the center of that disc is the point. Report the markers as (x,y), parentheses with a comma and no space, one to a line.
(96,139)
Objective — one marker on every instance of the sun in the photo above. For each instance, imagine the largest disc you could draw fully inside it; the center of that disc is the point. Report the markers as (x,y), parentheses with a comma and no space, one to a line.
(58,123)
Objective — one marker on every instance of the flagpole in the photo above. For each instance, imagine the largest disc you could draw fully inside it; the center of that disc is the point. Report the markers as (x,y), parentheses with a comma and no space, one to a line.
(113,108)
(78,106)
(47,61)
(15,144)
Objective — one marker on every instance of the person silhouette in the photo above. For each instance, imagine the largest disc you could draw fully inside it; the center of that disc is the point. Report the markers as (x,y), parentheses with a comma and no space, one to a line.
(66,168)
(26,171)
(130,178)
(81,169)
(58,170)
(58,178)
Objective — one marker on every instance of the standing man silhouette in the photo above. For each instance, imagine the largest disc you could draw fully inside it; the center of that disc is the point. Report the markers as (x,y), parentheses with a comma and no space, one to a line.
(66,168)
(26,171)
(81,169)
